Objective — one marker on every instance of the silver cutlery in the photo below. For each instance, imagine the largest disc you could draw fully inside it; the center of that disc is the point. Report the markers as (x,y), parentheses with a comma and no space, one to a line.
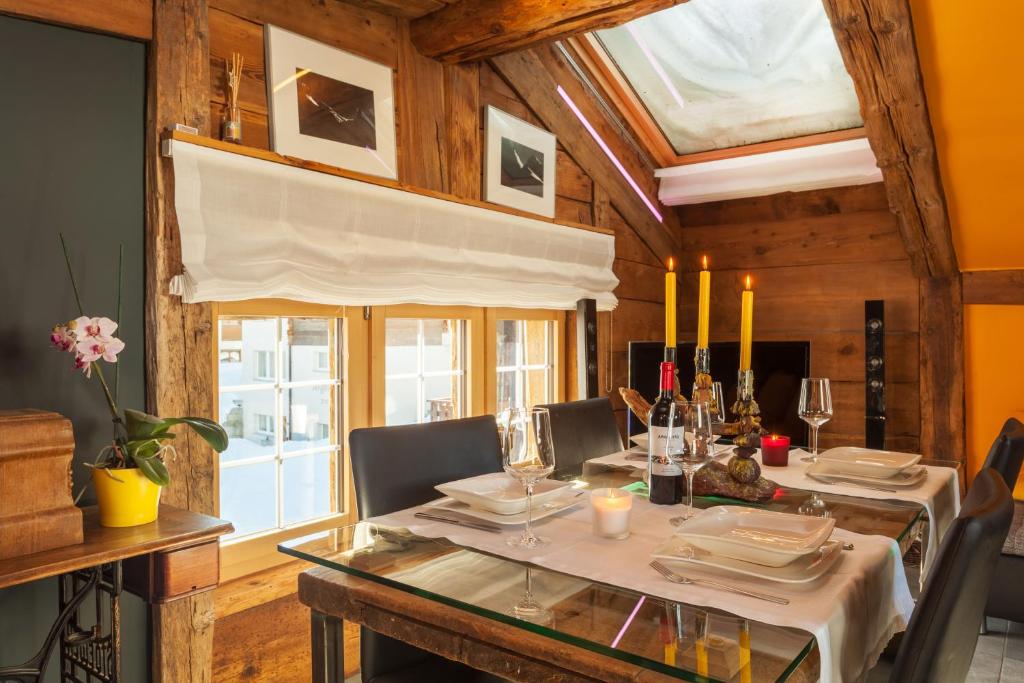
(472,524)
(830,479)
(679,578)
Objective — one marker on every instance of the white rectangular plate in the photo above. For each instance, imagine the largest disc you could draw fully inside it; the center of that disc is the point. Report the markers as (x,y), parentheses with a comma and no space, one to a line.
(499,493)
(804,570)
(868,462)
(908,478)
(768,538)
(566,501)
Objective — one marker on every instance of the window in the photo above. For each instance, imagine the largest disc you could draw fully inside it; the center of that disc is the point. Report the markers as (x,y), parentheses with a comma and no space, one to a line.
(281,412)
(720,74)
(264,369)
(525,363)
(424,370)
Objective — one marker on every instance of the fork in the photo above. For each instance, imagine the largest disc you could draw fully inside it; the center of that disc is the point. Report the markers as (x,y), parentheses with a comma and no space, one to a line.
(678,578)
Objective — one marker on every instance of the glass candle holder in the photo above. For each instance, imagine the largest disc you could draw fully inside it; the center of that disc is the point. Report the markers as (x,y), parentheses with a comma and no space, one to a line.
(610,510)
(775,450)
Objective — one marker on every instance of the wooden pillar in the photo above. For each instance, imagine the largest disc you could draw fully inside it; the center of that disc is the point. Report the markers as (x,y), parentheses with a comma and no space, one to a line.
(179,337)
(943,421)
(462,128)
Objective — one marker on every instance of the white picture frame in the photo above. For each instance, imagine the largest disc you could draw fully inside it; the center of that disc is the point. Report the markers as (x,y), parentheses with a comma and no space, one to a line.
(330,106)
(519,164)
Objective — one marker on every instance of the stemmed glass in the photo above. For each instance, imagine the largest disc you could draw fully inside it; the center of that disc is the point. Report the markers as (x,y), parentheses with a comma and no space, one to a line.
(528,608)
(815,409)
(698,449)
(529,457)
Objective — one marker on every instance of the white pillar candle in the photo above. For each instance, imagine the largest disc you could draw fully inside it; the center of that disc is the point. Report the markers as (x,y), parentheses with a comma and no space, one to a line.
(610,509)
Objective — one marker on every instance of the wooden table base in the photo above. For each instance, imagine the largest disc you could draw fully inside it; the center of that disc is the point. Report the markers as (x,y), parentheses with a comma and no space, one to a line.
(477,641)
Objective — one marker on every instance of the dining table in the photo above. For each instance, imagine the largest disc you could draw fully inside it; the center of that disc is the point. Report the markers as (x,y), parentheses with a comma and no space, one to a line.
(607,616)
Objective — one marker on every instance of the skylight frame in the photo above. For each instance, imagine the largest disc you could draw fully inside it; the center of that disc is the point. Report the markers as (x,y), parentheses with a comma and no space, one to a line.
(616,90)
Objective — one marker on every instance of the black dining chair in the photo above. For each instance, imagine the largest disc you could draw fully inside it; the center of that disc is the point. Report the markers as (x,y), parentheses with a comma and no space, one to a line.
(581,430)
(395,468)
(1006,598)
(939,642)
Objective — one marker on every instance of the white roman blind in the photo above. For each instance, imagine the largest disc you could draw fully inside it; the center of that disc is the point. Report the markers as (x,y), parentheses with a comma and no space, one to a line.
(252,228)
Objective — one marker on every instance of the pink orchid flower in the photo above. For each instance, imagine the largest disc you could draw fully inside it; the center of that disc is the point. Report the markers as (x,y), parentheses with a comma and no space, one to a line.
(83,365)
(62,337)
(93,348)
(101,329)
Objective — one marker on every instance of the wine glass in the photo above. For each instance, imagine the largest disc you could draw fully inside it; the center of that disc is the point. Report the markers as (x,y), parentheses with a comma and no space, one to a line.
(528,456)
(698,449)
(718,417)
(815,409)
(528,608)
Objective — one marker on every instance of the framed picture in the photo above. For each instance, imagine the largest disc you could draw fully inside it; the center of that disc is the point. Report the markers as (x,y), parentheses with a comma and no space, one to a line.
(519,164)
(329,106)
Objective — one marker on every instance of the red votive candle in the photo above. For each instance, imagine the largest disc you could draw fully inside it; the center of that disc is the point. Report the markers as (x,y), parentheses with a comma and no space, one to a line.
(775,450)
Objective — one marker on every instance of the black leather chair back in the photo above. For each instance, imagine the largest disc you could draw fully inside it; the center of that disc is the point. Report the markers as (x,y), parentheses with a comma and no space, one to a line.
(939,642)
(397,467)
(582,430)
(1007,451)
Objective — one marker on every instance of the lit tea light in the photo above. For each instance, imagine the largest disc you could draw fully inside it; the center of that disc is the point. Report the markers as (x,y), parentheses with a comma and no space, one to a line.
(611,509)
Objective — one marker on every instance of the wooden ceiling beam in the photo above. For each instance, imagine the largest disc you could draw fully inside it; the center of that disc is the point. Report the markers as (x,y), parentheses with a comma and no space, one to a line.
(536,75)
(876,39)
(471,30)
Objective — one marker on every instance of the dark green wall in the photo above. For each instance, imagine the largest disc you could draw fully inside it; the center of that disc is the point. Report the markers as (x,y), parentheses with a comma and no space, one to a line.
(71,160)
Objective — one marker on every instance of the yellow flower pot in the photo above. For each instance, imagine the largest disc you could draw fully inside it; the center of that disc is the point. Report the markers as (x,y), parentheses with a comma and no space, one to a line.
(132,501)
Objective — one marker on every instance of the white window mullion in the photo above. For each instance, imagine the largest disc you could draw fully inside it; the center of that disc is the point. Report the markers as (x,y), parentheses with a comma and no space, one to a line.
(279,436)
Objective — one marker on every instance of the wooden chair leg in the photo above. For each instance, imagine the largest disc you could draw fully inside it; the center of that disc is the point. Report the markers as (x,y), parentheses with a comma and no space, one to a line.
(328,648)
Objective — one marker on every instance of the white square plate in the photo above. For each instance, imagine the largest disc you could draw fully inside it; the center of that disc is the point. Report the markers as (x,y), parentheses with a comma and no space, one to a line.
(868,462)
(565,501)
(804,570)
(908,478)
(773,539)
(499,493)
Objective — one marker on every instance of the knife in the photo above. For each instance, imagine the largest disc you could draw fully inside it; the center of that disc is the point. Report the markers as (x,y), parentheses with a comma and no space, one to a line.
(481,525)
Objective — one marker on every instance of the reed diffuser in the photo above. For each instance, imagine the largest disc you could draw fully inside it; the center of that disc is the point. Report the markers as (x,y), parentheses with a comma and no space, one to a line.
(231,126)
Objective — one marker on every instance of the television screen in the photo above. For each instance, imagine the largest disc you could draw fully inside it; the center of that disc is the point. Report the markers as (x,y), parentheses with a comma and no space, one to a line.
(778,369)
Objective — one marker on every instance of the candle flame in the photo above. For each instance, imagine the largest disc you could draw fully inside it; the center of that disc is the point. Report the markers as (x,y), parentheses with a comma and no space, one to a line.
(748,282)
(704,260)
(671,264)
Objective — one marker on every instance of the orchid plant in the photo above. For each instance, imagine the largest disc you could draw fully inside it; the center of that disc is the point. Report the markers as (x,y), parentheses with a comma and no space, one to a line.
(140,440)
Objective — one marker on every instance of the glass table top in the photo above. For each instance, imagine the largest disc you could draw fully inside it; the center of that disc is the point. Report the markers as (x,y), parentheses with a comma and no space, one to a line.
(678,640)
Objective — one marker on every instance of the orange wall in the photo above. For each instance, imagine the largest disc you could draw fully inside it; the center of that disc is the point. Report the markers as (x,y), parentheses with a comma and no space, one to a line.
(970,56)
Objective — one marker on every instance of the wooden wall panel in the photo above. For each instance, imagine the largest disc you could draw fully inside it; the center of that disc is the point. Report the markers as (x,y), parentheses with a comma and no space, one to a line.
(128,18)
(815,257)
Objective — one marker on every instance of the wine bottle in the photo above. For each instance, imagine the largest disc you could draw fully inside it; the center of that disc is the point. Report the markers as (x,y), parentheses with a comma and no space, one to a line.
(664,439)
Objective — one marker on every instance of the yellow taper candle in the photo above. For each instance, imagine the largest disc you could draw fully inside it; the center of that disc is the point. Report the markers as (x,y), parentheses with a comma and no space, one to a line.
(704,306)
(746,326)
(745,674)
(670,304)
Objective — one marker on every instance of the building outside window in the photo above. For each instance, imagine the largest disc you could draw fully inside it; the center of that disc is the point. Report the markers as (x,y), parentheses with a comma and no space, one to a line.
(525,363)
(282,415)
(425,370)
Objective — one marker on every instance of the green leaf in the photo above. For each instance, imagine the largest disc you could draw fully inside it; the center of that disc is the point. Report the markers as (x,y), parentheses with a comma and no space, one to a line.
(140,425)
(154,470)
(211,432)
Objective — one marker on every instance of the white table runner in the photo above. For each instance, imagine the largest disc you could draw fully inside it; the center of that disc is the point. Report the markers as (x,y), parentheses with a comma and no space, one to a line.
(852,611)
(939,493)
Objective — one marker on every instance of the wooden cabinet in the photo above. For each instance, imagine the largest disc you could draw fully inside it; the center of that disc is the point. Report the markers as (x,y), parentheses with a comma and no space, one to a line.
(171,574)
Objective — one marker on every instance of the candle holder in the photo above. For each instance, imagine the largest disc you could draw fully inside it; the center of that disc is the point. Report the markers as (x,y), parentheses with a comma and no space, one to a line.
(748,425)
(704,385)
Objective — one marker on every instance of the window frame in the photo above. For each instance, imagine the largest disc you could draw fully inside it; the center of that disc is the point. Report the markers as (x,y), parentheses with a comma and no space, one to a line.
(243,556)
(558,343)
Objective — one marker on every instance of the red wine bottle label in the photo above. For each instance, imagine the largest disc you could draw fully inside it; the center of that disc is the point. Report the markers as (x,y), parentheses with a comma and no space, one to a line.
(660,447)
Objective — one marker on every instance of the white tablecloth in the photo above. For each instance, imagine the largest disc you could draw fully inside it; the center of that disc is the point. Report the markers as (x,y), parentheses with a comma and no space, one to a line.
(939,493)
(852,611)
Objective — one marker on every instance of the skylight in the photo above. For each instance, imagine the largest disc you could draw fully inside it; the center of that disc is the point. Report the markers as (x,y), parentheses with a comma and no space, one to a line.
(716,74)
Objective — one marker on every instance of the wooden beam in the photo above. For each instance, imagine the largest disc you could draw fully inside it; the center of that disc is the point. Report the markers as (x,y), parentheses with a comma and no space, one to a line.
(994,287)
(179,337)
(943,418)
(471,30)
(876,39)
(128,18)
(536,75)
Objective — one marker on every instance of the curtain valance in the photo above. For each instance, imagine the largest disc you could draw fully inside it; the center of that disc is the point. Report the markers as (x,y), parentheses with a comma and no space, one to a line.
(252,228)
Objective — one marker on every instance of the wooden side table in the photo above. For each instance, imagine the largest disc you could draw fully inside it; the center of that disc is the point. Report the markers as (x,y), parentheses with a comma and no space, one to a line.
(176,556)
